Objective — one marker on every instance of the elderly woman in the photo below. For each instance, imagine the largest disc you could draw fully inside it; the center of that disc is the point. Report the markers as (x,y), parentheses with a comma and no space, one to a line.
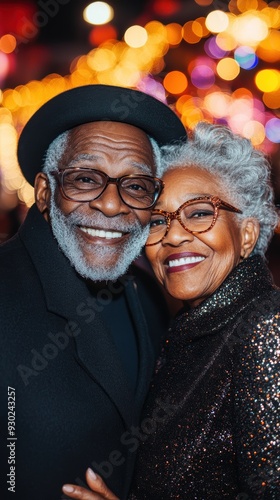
(210,428)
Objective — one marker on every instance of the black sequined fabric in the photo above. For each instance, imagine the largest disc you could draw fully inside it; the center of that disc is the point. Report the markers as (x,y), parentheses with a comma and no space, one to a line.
(211,424)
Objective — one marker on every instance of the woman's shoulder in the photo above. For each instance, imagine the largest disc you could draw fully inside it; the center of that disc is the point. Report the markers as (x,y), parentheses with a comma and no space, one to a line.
(258,330)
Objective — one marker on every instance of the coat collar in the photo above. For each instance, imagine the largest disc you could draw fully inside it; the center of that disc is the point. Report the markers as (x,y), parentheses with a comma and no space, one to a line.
(68,296)
(248,280)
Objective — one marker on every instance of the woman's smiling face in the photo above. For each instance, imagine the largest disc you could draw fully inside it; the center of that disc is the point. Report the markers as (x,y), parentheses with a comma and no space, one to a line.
(201,262)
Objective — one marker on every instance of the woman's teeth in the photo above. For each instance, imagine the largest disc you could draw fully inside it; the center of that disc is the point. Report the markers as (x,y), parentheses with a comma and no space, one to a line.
(184,261)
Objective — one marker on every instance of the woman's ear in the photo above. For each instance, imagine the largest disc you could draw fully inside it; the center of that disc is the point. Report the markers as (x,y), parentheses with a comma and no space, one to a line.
(42,193)
(250,230)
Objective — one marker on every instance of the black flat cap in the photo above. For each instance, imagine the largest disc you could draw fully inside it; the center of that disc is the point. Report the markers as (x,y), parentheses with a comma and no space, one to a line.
(91,103)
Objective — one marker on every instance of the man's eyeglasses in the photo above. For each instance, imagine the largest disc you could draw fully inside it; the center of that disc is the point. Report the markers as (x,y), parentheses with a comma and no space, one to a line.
(198,215)
(86,184)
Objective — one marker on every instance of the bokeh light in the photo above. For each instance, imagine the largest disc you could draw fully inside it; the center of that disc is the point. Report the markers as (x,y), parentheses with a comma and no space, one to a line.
(213,50)
(217,21)
(269,48)
(175,82)
(136,36)
(166,7)
(4,66)
(98,13)
(268,80)
(100,34)
(272,129)
(254,131)
(200,65)
(8,43)
(228,68)
(189,35)
(246,57)
(202,76)
(250,28)
(272,99)
(174,33)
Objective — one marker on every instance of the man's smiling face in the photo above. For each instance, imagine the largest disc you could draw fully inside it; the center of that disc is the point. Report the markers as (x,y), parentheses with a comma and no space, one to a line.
(102,237)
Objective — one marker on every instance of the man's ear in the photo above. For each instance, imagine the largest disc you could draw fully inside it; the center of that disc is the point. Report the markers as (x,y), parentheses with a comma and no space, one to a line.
(250,230)
(42,193)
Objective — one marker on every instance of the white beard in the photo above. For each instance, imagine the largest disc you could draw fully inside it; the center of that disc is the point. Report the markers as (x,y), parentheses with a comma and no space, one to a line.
(64,230)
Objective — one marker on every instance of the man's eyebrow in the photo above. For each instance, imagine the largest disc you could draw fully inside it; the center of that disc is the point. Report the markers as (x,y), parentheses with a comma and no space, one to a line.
(82,157)
(145,169)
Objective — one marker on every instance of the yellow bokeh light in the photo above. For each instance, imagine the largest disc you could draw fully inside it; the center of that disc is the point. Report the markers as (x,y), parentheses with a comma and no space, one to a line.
(175,82)
(181,101)
(126,76)
(228,69)
(8,43)
(273,16)
(106,77)
(6,116)
(268,80)
(101,59)
(98,13)
(191,117)
(136,36)
(245,5)
(26,194)
(156,27)
(217,21)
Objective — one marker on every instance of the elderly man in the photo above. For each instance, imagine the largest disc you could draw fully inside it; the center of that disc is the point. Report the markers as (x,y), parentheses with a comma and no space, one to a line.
(79,325)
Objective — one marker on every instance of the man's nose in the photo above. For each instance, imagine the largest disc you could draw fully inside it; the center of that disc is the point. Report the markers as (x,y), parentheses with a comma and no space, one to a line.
(110,202)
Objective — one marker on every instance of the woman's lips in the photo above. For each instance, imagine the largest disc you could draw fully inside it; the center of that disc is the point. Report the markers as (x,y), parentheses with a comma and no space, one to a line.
(182,261)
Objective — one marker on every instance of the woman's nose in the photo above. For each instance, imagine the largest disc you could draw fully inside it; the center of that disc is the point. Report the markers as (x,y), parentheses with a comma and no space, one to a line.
(177,234)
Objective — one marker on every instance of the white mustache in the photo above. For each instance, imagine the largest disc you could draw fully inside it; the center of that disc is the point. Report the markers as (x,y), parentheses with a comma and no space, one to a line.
(100,221)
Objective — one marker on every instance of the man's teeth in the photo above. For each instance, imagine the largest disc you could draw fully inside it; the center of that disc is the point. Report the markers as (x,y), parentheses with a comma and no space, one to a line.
(184,260)
(101,233)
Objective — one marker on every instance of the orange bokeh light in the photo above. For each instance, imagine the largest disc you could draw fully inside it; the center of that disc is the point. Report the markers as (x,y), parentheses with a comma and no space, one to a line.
(175,82)
(8,43)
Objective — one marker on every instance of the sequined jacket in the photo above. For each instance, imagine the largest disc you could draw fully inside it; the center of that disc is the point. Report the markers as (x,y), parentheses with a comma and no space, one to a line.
(210,429)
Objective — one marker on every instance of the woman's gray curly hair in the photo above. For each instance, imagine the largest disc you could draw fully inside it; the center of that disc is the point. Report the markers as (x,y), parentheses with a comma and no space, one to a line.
(243,170)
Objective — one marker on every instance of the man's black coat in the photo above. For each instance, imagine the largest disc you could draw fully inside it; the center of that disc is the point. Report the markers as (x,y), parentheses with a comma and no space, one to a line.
(61,374)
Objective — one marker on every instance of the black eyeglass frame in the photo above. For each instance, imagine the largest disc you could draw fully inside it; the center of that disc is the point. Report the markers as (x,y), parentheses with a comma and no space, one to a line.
(169,216)
(59,176)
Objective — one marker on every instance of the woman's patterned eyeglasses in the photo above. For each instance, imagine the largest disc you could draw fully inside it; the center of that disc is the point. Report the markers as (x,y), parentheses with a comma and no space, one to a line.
(198,215)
